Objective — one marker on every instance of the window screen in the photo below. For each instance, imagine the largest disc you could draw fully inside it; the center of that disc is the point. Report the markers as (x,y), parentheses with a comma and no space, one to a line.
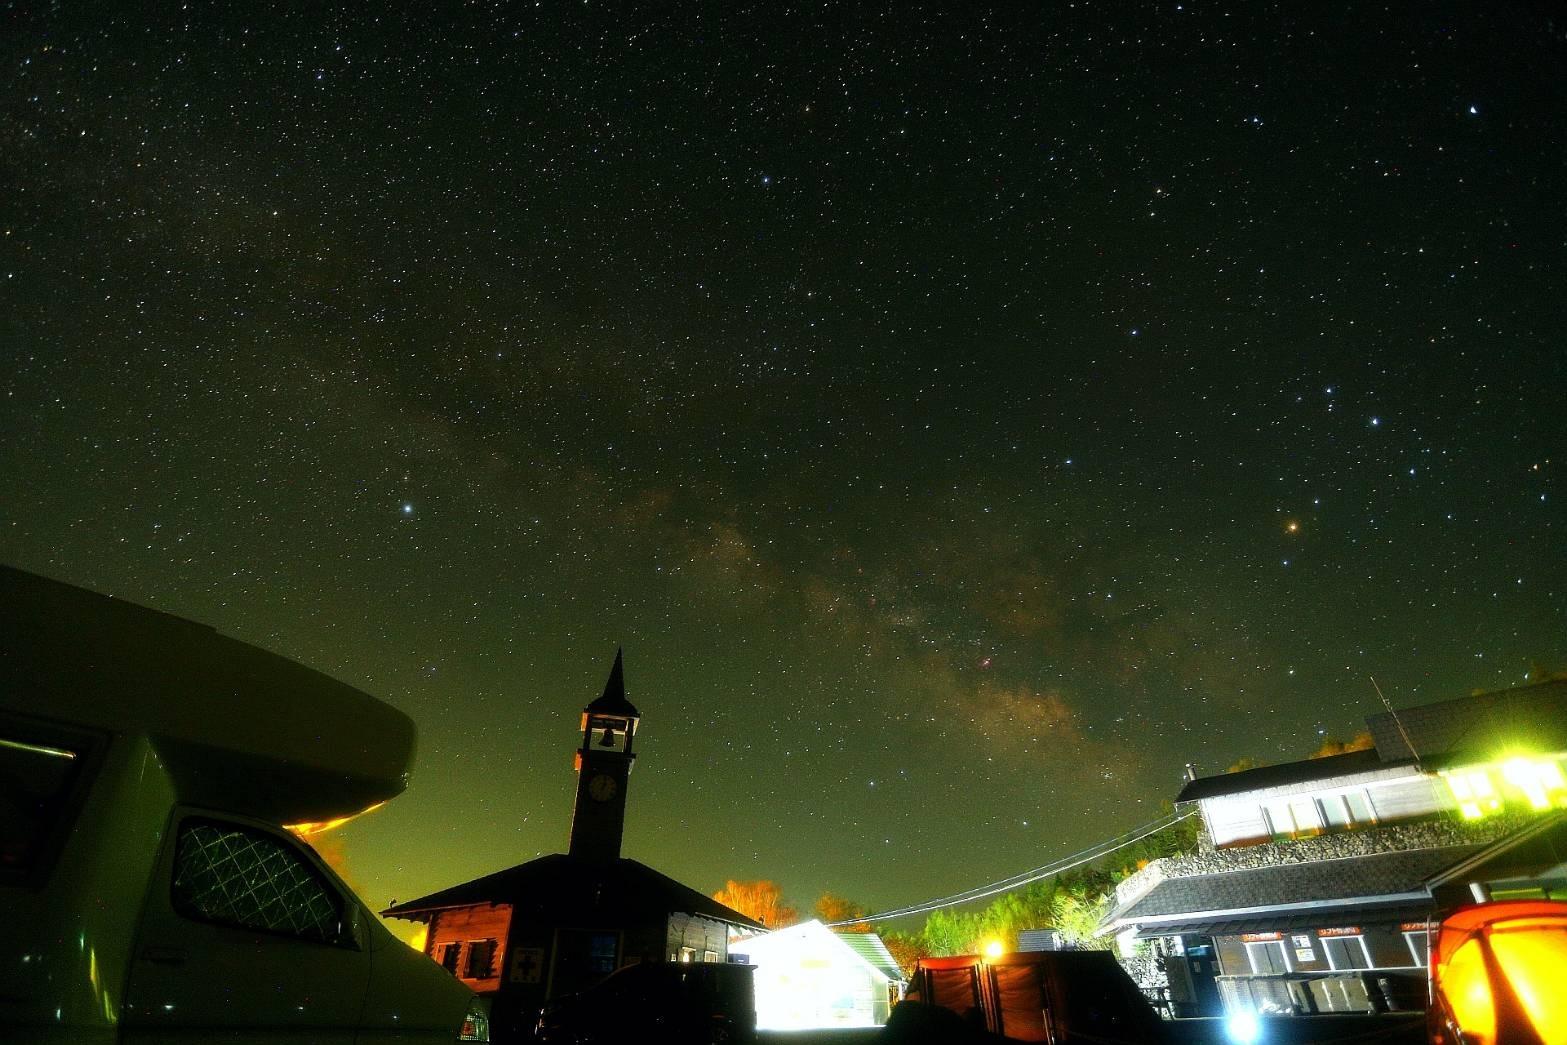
(252,880)
(1347,952)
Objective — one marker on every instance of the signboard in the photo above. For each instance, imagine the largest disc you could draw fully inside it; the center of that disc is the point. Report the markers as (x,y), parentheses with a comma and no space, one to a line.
(527,965)
(1415,927)
(1260,937)
(1348,930)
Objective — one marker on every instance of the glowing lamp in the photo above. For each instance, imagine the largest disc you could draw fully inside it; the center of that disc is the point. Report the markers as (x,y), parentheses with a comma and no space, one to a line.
(1243,1028)
(993,949)
(1497,975)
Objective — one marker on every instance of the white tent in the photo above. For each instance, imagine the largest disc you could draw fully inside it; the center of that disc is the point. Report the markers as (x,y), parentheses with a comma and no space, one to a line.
(808,977)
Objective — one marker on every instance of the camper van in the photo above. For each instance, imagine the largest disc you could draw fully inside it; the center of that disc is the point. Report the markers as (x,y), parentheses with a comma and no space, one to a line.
(156,782)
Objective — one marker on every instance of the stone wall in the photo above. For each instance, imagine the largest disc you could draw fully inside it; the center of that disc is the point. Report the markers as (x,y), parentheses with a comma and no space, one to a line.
(1388,838)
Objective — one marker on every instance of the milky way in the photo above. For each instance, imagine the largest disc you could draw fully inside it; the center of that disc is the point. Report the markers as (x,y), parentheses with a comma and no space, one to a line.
(963,418)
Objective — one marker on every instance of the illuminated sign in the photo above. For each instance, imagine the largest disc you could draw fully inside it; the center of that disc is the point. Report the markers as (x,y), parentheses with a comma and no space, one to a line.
(1348,930)
(1260,937)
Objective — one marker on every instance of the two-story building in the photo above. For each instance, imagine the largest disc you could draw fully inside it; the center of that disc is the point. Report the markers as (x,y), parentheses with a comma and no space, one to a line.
(1316,881)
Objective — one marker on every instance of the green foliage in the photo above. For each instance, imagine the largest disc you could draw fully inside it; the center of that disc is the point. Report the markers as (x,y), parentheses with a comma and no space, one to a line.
(1072,903)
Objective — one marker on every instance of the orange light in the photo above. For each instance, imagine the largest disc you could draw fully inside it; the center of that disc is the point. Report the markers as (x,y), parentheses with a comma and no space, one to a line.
(993,949)
(1495,959)
(1292,527)
(316,827)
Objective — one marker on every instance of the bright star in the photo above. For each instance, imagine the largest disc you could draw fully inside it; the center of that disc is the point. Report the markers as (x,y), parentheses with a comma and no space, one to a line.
(408,509)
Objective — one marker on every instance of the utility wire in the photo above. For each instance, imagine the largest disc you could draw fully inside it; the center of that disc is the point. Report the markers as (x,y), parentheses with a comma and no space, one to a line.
(1017,881)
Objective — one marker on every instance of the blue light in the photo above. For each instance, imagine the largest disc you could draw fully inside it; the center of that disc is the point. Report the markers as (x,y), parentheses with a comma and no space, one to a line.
(1243,1028)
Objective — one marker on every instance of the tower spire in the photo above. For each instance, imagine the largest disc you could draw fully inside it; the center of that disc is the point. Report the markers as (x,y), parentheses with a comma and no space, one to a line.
(603,763)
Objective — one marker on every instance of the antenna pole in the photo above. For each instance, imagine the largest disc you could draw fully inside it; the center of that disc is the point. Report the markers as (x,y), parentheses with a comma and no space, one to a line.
(1397,722)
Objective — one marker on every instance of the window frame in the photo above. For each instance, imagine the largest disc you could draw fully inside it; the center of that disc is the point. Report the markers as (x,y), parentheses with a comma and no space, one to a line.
(1365,952)
(88,746)
(1252,961)
(1421,956)
(347,932)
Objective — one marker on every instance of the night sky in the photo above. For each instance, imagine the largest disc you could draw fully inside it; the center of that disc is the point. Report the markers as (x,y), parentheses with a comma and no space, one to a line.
(962,417)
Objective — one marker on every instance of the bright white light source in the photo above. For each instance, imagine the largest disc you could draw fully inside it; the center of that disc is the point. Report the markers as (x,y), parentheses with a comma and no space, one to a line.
(1243,1028)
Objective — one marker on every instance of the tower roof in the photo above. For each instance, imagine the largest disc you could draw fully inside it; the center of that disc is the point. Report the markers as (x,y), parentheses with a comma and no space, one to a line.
(613,701)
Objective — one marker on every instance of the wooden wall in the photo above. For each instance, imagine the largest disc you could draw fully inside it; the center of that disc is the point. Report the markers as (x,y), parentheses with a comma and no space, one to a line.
(464,926)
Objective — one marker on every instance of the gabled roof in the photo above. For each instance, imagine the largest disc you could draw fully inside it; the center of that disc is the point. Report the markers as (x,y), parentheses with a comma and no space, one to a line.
(613,701)
(1298,888)
(620,889)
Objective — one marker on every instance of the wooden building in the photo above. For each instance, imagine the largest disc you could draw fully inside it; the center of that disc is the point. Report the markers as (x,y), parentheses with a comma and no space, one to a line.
(555,925)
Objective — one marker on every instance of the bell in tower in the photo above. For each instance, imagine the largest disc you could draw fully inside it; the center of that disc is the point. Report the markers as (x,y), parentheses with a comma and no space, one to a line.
(603,762)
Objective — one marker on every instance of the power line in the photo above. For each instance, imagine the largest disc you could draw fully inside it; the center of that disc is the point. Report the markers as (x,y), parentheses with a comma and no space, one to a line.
(1017,881)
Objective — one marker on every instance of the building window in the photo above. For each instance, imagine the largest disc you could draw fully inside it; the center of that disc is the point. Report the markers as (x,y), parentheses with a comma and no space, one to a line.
(688,954)
(1346,952)
(1292,817)
(481,959)
(1417,943)
(450,952)
(1350,809)
(250,879)
(1267,958)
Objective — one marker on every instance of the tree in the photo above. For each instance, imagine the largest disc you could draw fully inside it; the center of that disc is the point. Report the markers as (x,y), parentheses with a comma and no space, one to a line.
(831,908)
(905,948)
(761,899)
(1332,745)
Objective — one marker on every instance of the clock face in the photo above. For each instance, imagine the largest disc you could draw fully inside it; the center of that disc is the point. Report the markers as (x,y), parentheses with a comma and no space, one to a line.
(602,787)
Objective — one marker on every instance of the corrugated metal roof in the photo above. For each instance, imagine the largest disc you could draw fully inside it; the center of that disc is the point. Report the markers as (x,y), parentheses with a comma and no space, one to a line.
(870,947)
(1281,775)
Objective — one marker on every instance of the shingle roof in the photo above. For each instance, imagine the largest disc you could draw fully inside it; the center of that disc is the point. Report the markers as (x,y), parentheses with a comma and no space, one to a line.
(1395,876)
(1313,918)
(619,888)
(1531,718)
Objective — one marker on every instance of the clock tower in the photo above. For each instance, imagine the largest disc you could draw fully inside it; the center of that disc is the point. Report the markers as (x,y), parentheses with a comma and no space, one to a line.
(603,765)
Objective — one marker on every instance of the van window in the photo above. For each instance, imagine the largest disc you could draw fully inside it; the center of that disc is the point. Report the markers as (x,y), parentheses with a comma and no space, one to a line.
(37,777)
(237,876)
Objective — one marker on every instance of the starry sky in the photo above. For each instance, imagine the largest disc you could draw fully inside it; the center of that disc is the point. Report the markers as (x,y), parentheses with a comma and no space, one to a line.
(963,416)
